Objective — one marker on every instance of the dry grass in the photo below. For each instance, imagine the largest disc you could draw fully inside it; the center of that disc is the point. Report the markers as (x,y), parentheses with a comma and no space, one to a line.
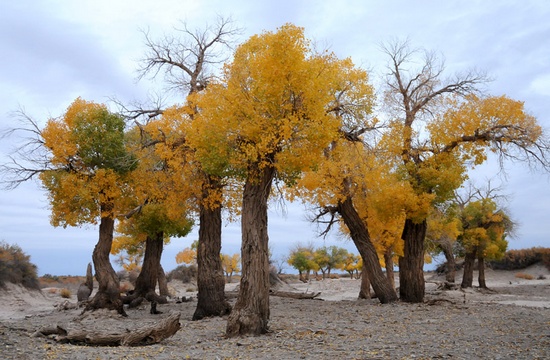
(65,293)
(525,276)
(52,291)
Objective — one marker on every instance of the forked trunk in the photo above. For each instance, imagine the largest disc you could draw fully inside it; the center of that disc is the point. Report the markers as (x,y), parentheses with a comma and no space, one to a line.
(211,299)
(250,314)
(361,238)
(108,293)
(388,259)
(364,292)
(147,279)
(468,276)
(411,265)
(481,270)
(450,268)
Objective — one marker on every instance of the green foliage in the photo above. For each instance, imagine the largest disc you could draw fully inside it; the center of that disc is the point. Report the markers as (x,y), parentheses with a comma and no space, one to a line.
(100,138)
(15,267)
(306,258)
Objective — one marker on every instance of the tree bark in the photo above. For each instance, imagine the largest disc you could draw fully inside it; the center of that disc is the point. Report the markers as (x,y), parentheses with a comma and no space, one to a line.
(145,335)
(388,259)
(468,276)
(450,268)
(411,265)
(250,314)
(163,282)
(108,293)
(295,295)
(211,299)
(85,289)
(147,279)
(361,238)
(481,270)
(364,291)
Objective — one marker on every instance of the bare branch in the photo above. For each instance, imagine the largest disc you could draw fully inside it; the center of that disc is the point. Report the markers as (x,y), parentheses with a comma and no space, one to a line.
(27,160)
(187,62)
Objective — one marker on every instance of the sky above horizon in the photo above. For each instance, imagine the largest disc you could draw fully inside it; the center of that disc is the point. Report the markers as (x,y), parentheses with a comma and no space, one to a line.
(55,51)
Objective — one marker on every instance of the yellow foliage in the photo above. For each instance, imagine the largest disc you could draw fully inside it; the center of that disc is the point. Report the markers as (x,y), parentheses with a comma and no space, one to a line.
(231,263)
(188,255)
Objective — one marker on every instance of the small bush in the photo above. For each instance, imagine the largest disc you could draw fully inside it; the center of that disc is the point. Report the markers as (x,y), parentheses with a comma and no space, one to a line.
(334,276)
(15,267)
(184,273)
(520,259)
(525,276)
(65,293)
(541,277)
(52,291)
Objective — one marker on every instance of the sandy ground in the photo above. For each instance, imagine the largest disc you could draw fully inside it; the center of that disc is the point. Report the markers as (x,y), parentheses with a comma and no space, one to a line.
(512,321)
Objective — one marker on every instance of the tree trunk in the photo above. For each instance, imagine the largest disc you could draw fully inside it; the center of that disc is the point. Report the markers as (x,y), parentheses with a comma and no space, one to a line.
(211,299)
(388,259)
(250,315)
(85,289)
(411,265)
(450,268)
(145,335)
(468,276)
(163,282)
(361,238)
(364,292)
(147,279)
(481,270)
(108,293)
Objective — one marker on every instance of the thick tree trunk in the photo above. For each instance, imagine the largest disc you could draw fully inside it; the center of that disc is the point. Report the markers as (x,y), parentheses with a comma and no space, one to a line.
(364,291)
(481,270)
(147,279)
(108,293)
(211,299)
(468,276)
(250,314)
(411,265)
(388,259)
(163,282)
(361,238)
(450,269)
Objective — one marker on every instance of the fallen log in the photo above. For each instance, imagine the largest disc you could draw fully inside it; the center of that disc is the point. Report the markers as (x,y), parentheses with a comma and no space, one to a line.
(145,335)
(295,295)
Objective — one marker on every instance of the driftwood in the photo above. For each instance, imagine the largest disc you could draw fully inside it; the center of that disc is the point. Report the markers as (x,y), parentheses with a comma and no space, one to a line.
(295,295)
(146,335)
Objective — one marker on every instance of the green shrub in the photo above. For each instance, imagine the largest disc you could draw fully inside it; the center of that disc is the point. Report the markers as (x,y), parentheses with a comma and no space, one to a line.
(15,267)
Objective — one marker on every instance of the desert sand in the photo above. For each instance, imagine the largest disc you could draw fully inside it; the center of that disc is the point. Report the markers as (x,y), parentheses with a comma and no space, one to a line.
(509,321)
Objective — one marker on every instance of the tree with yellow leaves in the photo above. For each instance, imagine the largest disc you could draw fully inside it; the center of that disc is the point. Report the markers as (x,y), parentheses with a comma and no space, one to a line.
(188,63)
(485,227)
(438,127)
(231,265)
(269,118)
(86,182)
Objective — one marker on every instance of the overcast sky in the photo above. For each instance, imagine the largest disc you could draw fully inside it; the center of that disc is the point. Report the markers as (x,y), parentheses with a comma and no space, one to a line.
(55,51)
